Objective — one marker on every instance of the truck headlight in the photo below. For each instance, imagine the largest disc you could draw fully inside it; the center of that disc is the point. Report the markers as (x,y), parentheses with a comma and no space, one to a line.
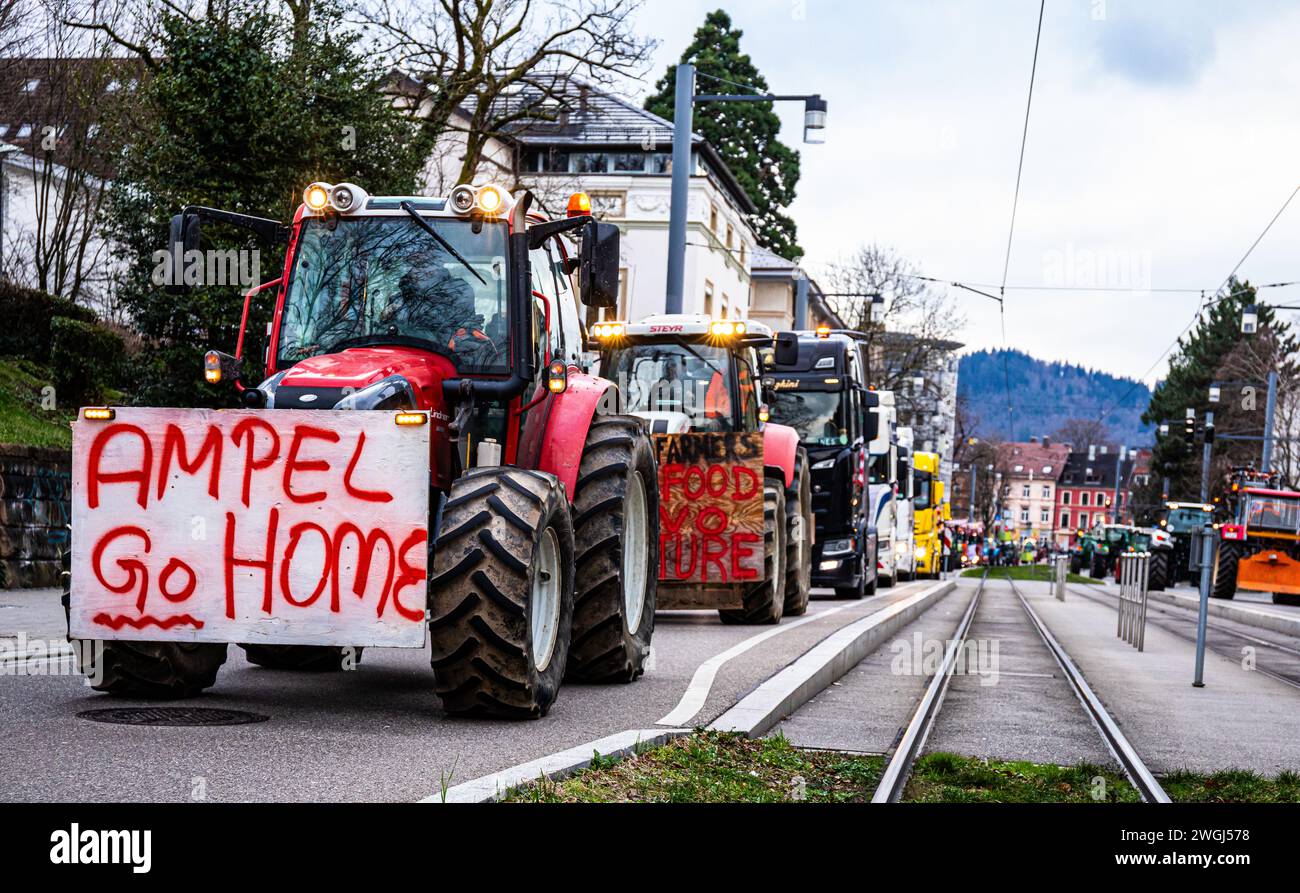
(920,551)
(836,547)
(823,465)
(829,566)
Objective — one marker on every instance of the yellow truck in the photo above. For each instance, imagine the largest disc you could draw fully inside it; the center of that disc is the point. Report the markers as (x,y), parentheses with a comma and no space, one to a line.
(929,512)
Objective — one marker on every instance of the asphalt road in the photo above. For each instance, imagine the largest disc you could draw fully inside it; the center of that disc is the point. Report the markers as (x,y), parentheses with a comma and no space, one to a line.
(376,734)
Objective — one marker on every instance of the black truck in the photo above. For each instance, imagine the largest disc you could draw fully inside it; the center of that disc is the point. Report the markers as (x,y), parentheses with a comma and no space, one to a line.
(815,384)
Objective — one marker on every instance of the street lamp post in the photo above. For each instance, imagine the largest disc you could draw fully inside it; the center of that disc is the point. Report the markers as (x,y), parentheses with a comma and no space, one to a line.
(684,99)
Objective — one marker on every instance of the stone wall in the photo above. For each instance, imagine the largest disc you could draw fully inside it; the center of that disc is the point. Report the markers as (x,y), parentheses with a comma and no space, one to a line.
(35,494)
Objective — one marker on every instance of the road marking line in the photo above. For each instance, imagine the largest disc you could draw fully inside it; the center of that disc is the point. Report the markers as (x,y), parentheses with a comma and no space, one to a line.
(702,682)
(489,788)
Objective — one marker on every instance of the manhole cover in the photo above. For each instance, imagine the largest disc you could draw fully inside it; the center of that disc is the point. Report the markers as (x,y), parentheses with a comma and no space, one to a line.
(172,716)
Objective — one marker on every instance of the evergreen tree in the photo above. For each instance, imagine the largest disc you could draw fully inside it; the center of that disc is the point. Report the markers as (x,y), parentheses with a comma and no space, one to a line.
(744,133)
(1216,350)
(240,111)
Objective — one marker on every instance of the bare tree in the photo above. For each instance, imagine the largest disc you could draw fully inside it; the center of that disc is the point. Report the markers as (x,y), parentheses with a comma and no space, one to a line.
(1082,433)
(502,63)
(1243,401)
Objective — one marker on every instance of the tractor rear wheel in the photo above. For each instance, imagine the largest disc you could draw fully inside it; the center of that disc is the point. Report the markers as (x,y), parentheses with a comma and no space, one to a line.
(305,658)
(1224,582)
(615,509)
(1158,571)
(798,536)
(764,601)
(1097,570)
(501,593)
(153,670)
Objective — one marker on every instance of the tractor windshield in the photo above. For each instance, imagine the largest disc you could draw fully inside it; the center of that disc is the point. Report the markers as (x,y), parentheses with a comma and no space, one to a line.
(694,380)
(1186,520)
(1273,512)
(384,280)
(816,415)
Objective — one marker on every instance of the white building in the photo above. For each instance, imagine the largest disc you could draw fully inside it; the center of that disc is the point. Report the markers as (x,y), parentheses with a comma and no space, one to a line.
(621,156)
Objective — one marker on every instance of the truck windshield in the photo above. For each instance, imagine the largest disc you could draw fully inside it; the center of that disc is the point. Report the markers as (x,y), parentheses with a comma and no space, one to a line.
(383,280)
(921,499)
(677,379)
(1273,513)
(816,415)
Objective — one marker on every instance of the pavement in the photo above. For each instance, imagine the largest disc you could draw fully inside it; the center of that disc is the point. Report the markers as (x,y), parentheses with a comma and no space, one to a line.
(1242,718)
(376,734)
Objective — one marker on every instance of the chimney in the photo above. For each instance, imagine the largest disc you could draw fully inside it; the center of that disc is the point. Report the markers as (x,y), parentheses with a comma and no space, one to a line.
(1033,439)
(1047,441)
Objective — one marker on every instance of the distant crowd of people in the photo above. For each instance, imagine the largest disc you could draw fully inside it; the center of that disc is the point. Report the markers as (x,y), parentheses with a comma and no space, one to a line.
(977,549)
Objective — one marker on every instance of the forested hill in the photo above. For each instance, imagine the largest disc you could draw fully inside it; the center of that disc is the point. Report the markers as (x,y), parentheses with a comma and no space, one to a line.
(1046,394)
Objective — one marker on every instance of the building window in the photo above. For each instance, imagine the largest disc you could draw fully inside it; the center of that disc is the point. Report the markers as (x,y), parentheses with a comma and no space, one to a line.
(1047,492)
(1045,516)
(744,255)
(730,236)
(1024,516)
(713,218)
(1065,497)
(590,163)
(1065,519)
(1024,492)
(708,298)
(628,162)
(660,163)
(1083,498)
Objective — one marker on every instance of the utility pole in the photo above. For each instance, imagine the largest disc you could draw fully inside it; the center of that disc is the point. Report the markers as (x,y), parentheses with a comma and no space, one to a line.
(1119,473)
(1205,459)
(1207,555)
(973,470)
(1270,406)
(683,121)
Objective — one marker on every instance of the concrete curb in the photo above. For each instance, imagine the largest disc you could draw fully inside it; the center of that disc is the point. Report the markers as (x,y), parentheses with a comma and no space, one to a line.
(827,661)
(1252,616)
(489,788)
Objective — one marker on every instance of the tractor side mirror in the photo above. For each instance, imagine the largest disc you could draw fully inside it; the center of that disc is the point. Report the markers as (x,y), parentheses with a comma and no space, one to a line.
(598,273)
(785,349)
(182,238)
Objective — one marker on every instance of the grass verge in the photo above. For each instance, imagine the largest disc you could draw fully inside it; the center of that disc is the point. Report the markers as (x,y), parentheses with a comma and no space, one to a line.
(715,767)
(950,778)
(23,416)
(1031,572)
(1231,786)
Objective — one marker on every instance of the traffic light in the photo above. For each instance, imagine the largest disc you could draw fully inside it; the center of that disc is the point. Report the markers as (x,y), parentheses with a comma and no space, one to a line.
(1189,428)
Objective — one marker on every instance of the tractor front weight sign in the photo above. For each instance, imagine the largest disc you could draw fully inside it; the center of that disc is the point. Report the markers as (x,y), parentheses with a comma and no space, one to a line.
(268,527)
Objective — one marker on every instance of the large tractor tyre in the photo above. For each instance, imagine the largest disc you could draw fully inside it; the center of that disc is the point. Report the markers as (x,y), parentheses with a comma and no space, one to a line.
(304,658)
(1224,582)
(1076,564)
(1158,571)
(501,594)
(615,530)
(1097,570)
(798,538)
(146,670)
(764,601)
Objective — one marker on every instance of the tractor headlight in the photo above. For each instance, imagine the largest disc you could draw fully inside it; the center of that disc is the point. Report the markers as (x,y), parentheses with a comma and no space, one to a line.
(346,197)
(462,199)
(823,465)
(316,196)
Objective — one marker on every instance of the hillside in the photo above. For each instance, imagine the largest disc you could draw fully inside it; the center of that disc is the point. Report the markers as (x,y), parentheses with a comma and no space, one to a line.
(1046,394)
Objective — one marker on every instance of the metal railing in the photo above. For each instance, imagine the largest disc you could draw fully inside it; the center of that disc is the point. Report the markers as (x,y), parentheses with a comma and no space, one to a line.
(1134,574)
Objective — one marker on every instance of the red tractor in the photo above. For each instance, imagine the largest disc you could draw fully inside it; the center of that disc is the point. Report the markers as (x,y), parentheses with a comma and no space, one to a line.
(1259,546)
(736,521)
(461,312)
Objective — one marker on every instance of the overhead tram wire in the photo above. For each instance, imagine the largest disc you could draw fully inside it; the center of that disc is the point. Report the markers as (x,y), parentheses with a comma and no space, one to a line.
(1011,231)
(1216,298)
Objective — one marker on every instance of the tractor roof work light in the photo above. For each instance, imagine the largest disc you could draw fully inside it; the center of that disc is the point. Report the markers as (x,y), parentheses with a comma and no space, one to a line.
(608,330)
(722,328)
(316,196)
(491,200)
(462,199)
(823,331)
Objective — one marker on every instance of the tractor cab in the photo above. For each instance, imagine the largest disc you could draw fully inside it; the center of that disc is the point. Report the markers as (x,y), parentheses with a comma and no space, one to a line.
(1259,547)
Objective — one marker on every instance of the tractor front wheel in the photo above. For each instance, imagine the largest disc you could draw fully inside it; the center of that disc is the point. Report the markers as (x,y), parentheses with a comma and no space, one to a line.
(501,593)
(764,601)
(152,670)
(798,537)
(1224,583)
(1158,571)
(615,510)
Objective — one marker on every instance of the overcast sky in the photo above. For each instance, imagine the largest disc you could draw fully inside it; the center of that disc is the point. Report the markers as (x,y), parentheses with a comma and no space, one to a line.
(1164,136)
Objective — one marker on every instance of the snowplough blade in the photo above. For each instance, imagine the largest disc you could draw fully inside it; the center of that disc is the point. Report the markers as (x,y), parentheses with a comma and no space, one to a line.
(1269,570)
